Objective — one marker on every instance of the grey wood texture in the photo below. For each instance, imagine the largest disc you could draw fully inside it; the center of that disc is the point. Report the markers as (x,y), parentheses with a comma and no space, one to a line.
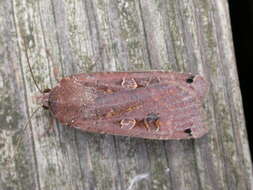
(117,35)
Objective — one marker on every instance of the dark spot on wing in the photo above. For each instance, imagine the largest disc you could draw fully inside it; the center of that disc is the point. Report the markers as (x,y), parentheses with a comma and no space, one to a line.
(188,131)
(190,79)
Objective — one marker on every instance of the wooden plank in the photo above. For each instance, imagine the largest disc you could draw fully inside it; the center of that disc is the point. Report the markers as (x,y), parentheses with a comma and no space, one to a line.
(124,35)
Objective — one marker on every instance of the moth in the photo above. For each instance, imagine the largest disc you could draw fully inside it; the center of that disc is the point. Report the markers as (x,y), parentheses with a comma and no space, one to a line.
(151,105)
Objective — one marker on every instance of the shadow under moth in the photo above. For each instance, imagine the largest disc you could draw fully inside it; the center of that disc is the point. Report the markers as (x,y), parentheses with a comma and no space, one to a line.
(152,105)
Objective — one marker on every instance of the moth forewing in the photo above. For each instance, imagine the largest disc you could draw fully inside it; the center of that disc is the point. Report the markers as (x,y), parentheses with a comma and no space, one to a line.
(154,105)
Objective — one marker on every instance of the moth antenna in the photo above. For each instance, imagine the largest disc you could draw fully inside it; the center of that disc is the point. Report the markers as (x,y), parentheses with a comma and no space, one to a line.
(30,68)
(24,128)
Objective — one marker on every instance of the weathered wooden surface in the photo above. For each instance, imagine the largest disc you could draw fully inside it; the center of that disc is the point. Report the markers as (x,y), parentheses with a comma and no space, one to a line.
(109,35)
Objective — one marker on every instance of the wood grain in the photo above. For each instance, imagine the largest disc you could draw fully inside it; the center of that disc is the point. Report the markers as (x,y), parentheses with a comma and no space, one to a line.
(125,35)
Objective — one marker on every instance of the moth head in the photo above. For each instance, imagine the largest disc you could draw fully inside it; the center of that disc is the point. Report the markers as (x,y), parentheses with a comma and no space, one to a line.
(199,84)
(43,99)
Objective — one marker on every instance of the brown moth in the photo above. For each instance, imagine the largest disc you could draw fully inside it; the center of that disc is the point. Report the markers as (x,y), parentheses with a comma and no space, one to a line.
(152,105)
